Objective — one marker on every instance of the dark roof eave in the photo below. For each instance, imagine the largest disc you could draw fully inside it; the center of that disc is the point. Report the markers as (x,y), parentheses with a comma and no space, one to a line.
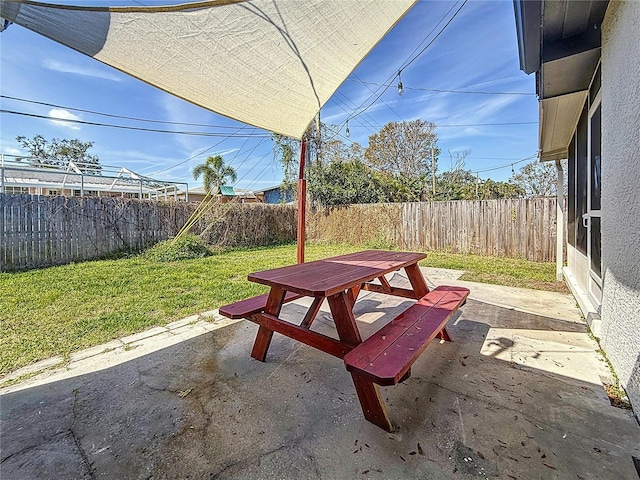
(528,15)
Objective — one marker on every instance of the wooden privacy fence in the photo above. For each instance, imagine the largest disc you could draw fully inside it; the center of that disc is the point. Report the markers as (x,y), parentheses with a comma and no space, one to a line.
(511,228)
(39,231)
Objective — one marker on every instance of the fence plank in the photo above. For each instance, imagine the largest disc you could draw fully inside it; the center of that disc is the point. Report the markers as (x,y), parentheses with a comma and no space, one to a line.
(40,231)
(37,231)
(507,227)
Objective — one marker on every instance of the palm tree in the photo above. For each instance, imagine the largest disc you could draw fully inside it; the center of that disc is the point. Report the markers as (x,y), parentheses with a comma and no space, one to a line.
(214,173)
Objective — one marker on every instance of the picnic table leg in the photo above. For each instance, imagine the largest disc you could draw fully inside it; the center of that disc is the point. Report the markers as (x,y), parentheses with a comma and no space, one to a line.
(263,338)
(444,335)
(371,402)
(368,393)
(417,280)
(353,294)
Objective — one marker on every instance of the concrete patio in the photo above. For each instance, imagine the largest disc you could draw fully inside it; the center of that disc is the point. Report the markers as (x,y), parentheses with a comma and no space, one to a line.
(517,395)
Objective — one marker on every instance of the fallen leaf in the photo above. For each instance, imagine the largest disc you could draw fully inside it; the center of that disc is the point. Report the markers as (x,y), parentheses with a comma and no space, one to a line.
(412,453)
(420,451)
(184,393)
(480,455)
(364,472)
(549,466)
(402,458)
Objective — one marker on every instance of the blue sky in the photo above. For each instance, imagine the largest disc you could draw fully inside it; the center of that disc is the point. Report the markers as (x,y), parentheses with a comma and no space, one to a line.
(477,52)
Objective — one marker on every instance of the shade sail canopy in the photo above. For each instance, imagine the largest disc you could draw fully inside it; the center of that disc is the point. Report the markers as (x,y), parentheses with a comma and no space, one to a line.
(269,63)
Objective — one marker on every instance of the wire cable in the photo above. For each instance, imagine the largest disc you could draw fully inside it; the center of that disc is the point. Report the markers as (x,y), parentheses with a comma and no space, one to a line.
(124,127)
(438,90)
(386,85)
(111,115)
(407,63)
(510,164)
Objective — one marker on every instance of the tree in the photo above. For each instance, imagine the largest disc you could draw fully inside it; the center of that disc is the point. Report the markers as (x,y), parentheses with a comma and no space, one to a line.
(462,184)
(537,179)
(58,153)
(343,183)
(490,189)
(284,151)
(334,150)
(351,181)
(214,173)
(405,148)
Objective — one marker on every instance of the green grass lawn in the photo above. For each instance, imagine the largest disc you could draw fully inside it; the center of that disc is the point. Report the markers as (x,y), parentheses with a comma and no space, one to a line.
(58,310)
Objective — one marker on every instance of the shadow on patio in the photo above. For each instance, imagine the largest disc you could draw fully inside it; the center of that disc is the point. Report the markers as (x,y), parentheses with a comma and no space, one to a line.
(516,395)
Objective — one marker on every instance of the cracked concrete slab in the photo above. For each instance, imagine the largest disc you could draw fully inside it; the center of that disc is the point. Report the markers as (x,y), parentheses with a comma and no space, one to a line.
(189,402)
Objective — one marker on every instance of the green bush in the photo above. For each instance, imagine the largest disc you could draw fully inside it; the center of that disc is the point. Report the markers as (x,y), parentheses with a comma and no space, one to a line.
(183,248)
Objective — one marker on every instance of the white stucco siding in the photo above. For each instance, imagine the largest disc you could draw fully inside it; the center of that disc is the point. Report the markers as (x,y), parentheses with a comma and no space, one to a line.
(621,192)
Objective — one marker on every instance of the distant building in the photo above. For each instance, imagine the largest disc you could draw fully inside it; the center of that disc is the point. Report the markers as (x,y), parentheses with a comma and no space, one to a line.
(275,195)
(226,194)
(18,177)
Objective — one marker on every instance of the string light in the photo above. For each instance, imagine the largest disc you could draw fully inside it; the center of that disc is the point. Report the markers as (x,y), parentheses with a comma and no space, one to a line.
(400,86)
(347,132)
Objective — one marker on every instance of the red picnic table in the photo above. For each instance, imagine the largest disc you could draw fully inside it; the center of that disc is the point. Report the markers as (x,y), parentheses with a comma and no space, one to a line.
(385,358)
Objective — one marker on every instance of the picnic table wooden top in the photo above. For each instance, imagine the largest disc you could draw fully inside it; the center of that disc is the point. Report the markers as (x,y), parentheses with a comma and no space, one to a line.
(323,278)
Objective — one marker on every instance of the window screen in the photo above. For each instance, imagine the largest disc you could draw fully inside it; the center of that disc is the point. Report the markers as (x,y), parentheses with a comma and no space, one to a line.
(581,181)
(571,193)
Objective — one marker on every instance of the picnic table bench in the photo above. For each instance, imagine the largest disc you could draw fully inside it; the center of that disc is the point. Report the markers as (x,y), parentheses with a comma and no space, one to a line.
(386,357)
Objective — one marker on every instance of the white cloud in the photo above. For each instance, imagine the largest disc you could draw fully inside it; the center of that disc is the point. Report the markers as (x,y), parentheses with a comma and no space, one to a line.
(500,81)
(63,114)
(78,70)
(12,151)
(494,105)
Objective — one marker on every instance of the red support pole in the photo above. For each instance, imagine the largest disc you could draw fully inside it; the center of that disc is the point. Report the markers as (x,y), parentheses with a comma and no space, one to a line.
(302,202)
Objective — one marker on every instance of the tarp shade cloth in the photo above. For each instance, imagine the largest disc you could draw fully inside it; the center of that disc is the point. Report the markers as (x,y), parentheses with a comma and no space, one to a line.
(269,63)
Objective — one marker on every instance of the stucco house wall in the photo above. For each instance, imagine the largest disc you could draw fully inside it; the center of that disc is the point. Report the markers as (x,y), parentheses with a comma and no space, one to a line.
(620,312)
